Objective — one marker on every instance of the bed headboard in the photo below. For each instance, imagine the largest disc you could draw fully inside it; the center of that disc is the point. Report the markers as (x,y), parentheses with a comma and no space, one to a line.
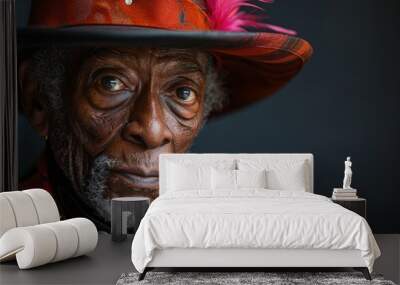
(195,157)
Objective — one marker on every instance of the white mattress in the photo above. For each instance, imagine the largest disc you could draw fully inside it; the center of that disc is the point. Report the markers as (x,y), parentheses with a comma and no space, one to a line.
(251,219)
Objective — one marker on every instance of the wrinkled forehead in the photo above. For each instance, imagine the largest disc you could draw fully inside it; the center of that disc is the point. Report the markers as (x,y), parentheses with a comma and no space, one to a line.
(186,57)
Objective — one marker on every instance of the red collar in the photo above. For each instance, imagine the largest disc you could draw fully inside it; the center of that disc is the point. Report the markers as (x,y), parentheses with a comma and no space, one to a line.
(40,179)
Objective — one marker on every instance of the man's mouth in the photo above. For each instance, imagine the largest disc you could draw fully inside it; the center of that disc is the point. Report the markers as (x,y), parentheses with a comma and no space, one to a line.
(138,178)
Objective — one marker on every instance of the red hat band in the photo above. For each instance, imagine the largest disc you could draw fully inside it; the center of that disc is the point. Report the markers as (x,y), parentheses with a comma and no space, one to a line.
(161,14)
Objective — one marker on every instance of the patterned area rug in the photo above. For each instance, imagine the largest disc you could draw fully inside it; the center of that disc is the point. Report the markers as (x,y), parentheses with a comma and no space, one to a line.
(269,278)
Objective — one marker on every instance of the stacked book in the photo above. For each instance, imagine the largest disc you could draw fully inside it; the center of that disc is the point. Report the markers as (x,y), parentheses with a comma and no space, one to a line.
(344,194)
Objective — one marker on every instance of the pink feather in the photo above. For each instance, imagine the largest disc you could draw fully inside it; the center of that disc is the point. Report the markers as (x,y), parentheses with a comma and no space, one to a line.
(225,15)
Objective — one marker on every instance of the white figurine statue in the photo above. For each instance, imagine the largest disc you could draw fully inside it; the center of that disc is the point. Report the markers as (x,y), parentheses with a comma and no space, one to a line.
(348,173)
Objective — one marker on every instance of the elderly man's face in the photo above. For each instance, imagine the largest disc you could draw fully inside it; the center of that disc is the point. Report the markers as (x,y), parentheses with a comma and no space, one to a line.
(130,105)
(109,113)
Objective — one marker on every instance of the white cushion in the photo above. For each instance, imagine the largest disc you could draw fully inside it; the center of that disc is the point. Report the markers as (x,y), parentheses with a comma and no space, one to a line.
(192,177)
(23,208)
(216,163)
(225,159)
(26,208)
(185,161)
(223,179)
(45,205)
(7,218)
(31,246)
(34,244)
(251,178)
(87,233)
(40,244)
(67,237)
(230,180)
(282,174)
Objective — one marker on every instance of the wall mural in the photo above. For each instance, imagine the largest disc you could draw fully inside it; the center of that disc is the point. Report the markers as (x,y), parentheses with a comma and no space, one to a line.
(109,99)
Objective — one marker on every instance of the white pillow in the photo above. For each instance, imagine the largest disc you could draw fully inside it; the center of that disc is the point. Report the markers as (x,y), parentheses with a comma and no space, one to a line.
(186,161)
(292,179)
(184,178)
(281,174)
(223,179)
(251,178)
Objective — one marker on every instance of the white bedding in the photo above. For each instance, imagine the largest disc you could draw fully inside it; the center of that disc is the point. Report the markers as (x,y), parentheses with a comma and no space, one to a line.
(250,219)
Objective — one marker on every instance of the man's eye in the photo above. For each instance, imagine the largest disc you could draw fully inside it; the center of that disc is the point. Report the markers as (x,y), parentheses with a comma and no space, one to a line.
(185,94)
(112,84)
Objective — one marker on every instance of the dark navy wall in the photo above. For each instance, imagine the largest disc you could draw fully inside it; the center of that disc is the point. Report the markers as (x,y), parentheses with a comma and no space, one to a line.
(345,102)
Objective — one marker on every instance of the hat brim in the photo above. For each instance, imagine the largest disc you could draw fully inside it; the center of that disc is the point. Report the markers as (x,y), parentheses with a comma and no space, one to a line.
(255,64)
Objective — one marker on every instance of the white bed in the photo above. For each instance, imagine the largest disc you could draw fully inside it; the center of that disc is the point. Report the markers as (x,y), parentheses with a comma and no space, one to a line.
(249,227)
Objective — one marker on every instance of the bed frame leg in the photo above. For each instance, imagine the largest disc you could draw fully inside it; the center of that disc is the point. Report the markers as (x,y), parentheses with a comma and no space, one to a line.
(143,274)
(364,271)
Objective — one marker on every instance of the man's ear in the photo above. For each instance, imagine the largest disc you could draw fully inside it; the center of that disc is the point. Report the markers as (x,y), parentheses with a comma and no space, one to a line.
(32,102)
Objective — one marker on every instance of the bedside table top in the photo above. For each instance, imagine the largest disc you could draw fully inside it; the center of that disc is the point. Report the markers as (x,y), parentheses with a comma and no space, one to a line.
(352,199)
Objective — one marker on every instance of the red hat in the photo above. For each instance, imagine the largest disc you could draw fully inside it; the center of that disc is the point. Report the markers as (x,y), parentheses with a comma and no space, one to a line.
(256,63)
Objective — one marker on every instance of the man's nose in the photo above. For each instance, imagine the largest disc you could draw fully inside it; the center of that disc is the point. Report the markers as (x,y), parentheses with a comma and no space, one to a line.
(147,126)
